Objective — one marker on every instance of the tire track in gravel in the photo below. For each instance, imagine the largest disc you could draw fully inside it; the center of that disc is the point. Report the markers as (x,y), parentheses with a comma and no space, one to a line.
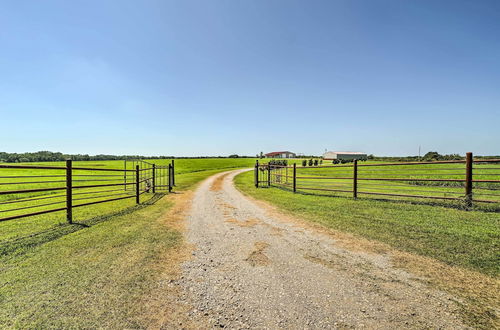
(252,270)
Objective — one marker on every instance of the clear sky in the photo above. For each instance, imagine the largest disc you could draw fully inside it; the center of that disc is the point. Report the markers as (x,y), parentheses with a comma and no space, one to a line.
(215,77)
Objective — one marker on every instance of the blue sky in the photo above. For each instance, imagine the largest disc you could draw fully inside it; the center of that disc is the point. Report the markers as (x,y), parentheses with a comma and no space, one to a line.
(243,76)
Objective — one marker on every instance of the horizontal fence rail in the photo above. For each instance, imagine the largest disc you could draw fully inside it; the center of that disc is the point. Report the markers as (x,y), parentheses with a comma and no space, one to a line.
(468,181)
(30,190)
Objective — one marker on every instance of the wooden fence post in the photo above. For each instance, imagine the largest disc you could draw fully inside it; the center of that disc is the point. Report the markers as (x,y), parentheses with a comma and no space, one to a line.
(153,178)
(355,180)
(294,177)
(137,184)
(468,180)
(69,191)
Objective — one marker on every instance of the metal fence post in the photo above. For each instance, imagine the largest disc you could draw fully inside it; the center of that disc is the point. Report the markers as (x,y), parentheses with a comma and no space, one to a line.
(69,191)
(468,180)
(137,184)
(173,173)
(256,174)
(294,177)
(355,180)
(269,175)
(170,177)
(154,178)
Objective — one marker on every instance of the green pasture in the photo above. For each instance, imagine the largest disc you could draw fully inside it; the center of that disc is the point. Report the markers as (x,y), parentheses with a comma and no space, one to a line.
(318,180)
(188,172)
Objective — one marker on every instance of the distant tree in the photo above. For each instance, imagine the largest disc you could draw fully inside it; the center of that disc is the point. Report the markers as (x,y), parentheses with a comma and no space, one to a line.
(234,156)
(432,155)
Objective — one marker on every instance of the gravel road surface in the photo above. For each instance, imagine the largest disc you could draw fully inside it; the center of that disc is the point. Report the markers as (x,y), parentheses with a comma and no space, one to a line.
(250,269)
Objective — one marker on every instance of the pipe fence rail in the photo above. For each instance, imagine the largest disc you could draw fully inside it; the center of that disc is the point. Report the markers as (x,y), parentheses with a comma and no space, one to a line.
(469,181)
(30,190)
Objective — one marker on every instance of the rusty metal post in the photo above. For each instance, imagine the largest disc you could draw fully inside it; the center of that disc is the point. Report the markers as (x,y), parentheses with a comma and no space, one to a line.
(355,180)
(256,174)
(269,175)
(137,173)
(69,191)
(154,178)
(173,173)
(468,180)
(170,177)
(294,177)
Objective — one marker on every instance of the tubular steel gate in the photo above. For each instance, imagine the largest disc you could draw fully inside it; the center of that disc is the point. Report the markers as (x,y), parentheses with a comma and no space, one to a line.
(151,176)
(46,189)
(470,180)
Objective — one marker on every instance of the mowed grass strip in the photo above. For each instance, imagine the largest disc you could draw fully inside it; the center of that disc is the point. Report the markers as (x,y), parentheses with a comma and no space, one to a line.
(456,237)
(91,278)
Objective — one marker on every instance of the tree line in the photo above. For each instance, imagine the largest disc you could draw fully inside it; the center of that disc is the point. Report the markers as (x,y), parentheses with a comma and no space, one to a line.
(49,156)
(430,156)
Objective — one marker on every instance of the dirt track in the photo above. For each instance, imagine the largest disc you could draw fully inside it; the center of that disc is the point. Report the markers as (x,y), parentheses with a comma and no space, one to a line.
(251,269)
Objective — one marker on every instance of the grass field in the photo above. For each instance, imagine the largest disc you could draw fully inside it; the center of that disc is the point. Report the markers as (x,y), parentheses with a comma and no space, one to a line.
(320,180)
(103,271)
(188,172)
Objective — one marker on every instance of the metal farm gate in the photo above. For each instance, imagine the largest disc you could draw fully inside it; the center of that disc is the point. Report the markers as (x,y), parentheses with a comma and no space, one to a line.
(152,178)
(43,189)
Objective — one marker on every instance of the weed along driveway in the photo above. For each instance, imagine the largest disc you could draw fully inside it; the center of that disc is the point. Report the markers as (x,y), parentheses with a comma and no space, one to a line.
(251,267)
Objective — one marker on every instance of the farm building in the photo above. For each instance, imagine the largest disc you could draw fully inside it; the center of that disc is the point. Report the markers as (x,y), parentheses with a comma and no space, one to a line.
(344,155)
(280,154)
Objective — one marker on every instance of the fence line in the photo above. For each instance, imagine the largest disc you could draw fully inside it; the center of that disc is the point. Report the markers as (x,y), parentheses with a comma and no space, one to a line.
(144,177)
(433,181)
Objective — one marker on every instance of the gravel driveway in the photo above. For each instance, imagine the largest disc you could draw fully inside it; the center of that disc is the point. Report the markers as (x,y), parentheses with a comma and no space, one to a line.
(250,269)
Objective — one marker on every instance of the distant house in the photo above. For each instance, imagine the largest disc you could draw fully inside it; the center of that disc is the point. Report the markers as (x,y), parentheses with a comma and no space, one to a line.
(280,154)
(344,155)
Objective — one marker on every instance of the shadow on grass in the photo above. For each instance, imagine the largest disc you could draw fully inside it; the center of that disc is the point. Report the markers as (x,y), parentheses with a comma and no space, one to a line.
(458,205)
(22,245)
